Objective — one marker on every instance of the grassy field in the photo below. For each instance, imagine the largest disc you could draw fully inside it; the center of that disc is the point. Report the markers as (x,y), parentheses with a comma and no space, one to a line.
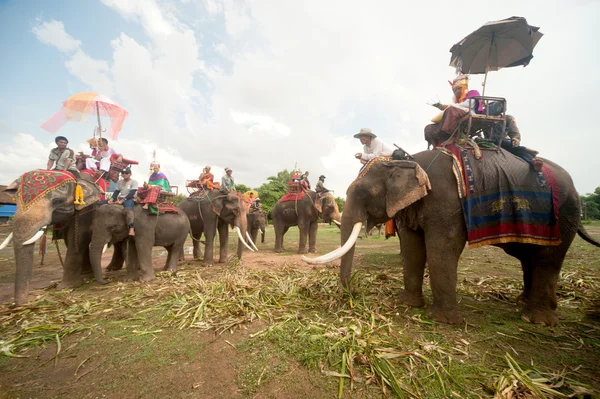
(270,326)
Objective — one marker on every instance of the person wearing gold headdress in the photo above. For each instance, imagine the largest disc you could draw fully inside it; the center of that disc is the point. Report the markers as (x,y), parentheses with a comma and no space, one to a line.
(438,132)
(149,192)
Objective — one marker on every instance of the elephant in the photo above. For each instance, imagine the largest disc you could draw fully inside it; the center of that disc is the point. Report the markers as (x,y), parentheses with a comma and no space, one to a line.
(47,197)
(304,213)
(215,211)
(433,232)
(257,220)
(167,230)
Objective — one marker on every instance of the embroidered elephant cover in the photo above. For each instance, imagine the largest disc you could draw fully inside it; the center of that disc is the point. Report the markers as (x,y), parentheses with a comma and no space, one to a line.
(36,184)
(505,200)
(292,196)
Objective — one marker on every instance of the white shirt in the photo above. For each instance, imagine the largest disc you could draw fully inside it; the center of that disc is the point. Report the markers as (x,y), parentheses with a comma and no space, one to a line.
(377,149)
(111,150)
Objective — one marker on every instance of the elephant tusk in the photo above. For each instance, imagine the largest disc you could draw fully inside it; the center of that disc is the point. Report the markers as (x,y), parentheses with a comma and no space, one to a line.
(251,242)
(336,222)
(337,253)
(241,237)
(104,248)
(7,241)
(36,236)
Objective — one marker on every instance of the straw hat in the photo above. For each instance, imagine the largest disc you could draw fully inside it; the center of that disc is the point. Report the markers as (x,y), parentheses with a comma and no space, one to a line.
(365,132)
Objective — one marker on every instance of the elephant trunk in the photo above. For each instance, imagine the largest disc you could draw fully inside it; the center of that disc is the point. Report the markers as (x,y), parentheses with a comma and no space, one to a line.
(96,250)
(262,234)
(31,223)
(346,231)
(241,227)
(24,261)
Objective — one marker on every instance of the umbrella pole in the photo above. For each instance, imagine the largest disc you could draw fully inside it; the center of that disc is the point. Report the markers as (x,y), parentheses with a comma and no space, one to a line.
(99,124)
(484,80)
(489,60)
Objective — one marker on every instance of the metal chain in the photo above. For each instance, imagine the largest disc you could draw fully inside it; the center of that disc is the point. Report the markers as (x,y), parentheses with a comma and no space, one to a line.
(58,252)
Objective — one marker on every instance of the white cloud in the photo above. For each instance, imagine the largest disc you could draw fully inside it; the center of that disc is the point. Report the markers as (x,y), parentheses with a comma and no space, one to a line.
(258,85)
(53,33)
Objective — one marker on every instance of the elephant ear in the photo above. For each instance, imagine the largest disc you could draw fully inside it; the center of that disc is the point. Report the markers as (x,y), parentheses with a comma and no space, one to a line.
(407,183)
(229,201)
(319,203)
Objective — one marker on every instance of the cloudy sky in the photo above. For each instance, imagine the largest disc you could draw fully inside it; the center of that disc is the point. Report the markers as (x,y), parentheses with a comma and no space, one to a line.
(260,85)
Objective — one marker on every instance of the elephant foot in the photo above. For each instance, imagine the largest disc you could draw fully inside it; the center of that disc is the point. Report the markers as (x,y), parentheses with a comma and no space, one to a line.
(63,285)
(278,250)
(114,267)
(147,277)
(103,281)
(522,299)
(542,317)
(302,251)
(413,300)
(447,316)
(312,250)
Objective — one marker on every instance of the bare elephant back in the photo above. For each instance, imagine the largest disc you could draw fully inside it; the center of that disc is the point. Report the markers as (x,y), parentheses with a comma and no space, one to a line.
(288,212)
(192,211)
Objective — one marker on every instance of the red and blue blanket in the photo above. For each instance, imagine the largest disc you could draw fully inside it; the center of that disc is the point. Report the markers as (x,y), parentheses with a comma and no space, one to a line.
(504,199)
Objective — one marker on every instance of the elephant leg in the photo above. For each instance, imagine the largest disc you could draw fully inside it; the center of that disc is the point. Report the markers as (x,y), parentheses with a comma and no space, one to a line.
(312,237)
(116,263)
(171,263)
(72,269)
(196,243)
(540,275)
(412,246)
(133,263)
(143,246)
(303,227)
(444,246)
(223,241)
(279,233)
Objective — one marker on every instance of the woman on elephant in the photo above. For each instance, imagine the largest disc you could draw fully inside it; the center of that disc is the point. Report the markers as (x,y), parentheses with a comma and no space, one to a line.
(148,194)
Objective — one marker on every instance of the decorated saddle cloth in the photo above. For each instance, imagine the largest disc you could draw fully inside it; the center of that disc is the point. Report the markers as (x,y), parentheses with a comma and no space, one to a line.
(292,196)
(504,199)
(37,183)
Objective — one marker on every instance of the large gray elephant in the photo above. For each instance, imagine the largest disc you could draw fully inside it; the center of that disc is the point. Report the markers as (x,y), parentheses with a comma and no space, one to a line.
(257,221)
(216,211)
(305,214)
(433,231)
(168,230)
(47,197)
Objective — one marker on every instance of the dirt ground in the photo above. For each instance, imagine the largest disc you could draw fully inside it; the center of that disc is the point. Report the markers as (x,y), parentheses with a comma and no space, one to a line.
(191,363)
(212,373)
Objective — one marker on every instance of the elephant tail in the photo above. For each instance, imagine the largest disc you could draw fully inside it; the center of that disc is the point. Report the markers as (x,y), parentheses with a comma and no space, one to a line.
(585,235)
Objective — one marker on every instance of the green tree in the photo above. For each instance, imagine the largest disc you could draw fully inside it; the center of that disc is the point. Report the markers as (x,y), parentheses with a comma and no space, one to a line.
(340,203)
(272,191)
(180,197)
(242,188)
(590,204)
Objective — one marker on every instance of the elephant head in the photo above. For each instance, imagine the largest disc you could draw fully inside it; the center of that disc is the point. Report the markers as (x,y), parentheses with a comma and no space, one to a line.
(328,208)
(233,209)
(377,195)
(257,220)
(109,226)
(43,197)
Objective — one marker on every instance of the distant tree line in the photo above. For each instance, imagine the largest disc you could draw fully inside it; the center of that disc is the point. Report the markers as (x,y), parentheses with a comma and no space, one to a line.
(590,205)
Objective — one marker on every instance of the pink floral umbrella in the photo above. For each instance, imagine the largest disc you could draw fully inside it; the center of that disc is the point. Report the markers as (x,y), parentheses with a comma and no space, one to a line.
(77,108)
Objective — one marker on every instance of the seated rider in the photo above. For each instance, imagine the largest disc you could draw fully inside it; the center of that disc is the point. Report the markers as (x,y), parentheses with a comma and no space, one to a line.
(206,178)
(123,195)
(304,181)
(63,156)
(452,116)
(320,188)
(157,182)
(103,155)
(373,146)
